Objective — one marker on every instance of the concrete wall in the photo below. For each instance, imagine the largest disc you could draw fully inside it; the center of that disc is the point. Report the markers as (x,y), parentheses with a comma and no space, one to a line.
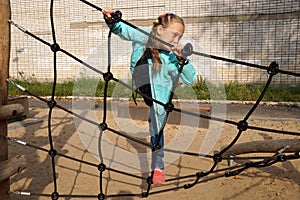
(254,31)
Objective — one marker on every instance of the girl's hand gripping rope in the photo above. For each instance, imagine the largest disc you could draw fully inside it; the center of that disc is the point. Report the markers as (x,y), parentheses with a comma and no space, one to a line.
(111,15)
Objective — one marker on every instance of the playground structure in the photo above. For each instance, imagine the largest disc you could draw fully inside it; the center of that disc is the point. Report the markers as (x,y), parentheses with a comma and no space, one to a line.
(8,111)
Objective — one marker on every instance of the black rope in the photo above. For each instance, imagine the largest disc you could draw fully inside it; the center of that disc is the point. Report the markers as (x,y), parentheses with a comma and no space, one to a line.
(242,126)
(158,102)
(70,157)
(145,143)
(229,171)
(51,104)
(91,5)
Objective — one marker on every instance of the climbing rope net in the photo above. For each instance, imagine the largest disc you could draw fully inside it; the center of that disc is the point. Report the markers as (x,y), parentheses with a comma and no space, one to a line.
(273,69)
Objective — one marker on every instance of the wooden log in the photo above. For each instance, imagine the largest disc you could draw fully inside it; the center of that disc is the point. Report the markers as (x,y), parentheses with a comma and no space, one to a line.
(11,167)
(265,146)
(23,100)
(10,111)
(4,71)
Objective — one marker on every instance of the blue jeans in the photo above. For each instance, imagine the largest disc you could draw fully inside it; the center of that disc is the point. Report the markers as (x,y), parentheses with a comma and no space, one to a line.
(157,155)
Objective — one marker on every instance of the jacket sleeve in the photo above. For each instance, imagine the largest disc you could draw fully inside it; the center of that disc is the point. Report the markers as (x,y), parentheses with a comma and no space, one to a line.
(127,32)
(188,75)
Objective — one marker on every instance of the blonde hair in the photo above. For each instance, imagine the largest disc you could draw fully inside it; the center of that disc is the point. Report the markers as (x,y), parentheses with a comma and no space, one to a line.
(152,44)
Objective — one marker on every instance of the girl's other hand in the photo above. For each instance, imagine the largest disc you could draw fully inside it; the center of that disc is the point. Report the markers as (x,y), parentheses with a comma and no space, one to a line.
(177,49)
(107,13)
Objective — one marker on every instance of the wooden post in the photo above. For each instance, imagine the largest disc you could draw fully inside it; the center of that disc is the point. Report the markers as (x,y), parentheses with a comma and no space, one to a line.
(4,70)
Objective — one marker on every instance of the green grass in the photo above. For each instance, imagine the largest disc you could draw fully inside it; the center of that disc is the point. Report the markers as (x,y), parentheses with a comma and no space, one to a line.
(200,90)
(275,93)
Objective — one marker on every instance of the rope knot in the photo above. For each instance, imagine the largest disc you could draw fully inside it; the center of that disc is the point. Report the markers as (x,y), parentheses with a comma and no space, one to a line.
(108,76)
(273,68)
(116,16)
(103,126)
(101,196)
(55,47)
(51,104)
(101,167)
(242,125)
(52,152)
(218,158)
(169,107)
(54,196)
(187,50)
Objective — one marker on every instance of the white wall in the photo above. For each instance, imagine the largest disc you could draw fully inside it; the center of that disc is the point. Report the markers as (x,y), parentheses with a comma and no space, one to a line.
(254,31)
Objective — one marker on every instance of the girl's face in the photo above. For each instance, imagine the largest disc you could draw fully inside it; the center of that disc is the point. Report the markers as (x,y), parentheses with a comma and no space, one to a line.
(172,34)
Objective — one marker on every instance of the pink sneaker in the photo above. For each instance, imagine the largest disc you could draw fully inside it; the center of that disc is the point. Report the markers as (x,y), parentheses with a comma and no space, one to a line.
(158,176)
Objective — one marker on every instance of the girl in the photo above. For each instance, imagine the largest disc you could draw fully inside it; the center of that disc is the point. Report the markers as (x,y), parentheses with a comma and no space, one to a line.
(161,64)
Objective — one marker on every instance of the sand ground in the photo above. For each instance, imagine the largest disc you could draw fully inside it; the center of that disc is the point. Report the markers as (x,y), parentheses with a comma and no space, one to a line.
(278,181)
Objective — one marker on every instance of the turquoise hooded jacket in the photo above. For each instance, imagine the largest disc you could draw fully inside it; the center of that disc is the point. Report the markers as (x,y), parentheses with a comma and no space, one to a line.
(161,82)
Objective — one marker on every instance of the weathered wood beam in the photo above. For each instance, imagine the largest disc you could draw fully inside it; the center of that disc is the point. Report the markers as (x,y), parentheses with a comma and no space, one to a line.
(11,167)
(265,146)
(9,111)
